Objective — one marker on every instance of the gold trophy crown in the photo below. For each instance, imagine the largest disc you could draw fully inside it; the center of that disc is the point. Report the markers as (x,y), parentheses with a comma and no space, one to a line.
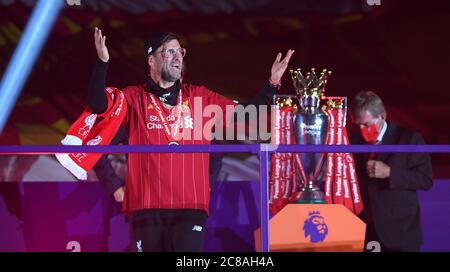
(311,85)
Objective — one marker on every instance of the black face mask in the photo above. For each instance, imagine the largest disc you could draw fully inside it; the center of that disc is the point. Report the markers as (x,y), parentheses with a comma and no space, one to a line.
(169,95)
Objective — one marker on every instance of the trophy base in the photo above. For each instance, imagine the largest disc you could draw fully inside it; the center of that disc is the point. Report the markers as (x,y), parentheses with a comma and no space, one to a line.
(310,201)
(311,195)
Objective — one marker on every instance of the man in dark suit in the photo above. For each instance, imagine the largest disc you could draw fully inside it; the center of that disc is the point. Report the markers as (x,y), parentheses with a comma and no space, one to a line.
(389,180)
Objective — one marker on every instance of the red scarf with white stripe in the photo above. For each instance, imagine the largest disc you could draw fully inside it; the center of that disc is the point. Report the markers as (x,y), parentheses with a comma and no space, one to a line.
(93,129)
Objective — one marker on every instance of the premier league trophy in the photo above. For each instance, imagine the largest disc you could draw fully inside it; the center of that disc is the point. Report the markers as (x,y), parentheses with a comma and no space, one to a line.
(310,127)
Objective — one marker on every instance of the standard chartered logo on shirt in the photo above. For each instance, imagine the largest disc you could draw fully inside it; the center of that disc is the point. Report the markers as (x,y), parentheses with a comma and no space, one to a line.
(154,123)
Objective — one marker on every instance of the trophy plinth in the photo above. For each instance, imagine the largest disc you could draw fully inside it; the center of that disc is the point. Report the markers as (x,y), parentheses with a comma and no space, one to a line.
(310,127)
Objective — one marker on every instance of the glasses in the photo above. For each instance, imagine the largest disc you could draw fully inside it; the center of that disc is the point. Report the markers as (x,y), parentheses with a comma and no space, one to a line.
(170,52)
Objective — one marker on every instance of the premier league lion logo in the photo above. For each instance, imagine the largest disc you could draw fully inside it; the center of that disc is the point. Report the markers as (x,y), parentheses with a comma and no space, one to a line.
(315,227)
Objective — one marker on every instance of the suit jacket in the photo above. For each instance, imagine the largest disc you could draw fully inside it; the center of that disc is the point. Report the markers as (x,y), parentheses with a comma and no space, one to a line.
(391,204)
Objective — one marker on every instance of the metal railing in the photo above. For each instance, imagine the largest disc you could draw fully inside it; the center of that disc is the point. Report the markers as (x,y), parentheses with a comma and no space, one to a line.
(262,150)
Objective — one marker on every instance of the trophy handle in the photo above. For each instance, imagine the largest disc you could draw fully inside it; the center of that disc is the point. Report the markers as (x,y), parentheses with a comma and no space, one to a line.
(345,103)
(275,96)
(293,97)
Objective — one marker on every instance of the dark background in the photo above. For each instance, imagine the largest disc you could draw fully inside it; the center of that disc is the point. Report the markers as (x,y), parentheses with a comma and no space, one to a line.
(398,49)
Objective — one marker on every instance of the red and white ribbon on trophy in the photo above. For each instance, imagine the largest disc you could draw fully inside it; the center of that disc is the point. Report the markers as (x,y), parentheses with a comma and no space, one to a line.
(283,185)
(341,182)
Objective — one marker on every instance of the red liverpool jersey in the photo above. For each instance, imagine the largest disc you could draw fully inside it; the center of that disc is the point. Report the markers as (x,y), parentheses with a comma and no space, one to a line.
(170,180)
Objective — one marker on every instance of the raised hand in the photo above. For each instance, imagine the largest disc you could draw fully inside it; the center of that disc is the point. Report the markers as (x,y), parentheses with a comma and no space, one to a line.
(279,66)
(102,50)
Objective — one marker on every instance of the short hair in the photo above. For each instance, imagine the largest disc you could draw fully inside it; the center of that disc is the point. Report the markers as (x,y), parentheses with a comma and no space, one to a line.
(367,101)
